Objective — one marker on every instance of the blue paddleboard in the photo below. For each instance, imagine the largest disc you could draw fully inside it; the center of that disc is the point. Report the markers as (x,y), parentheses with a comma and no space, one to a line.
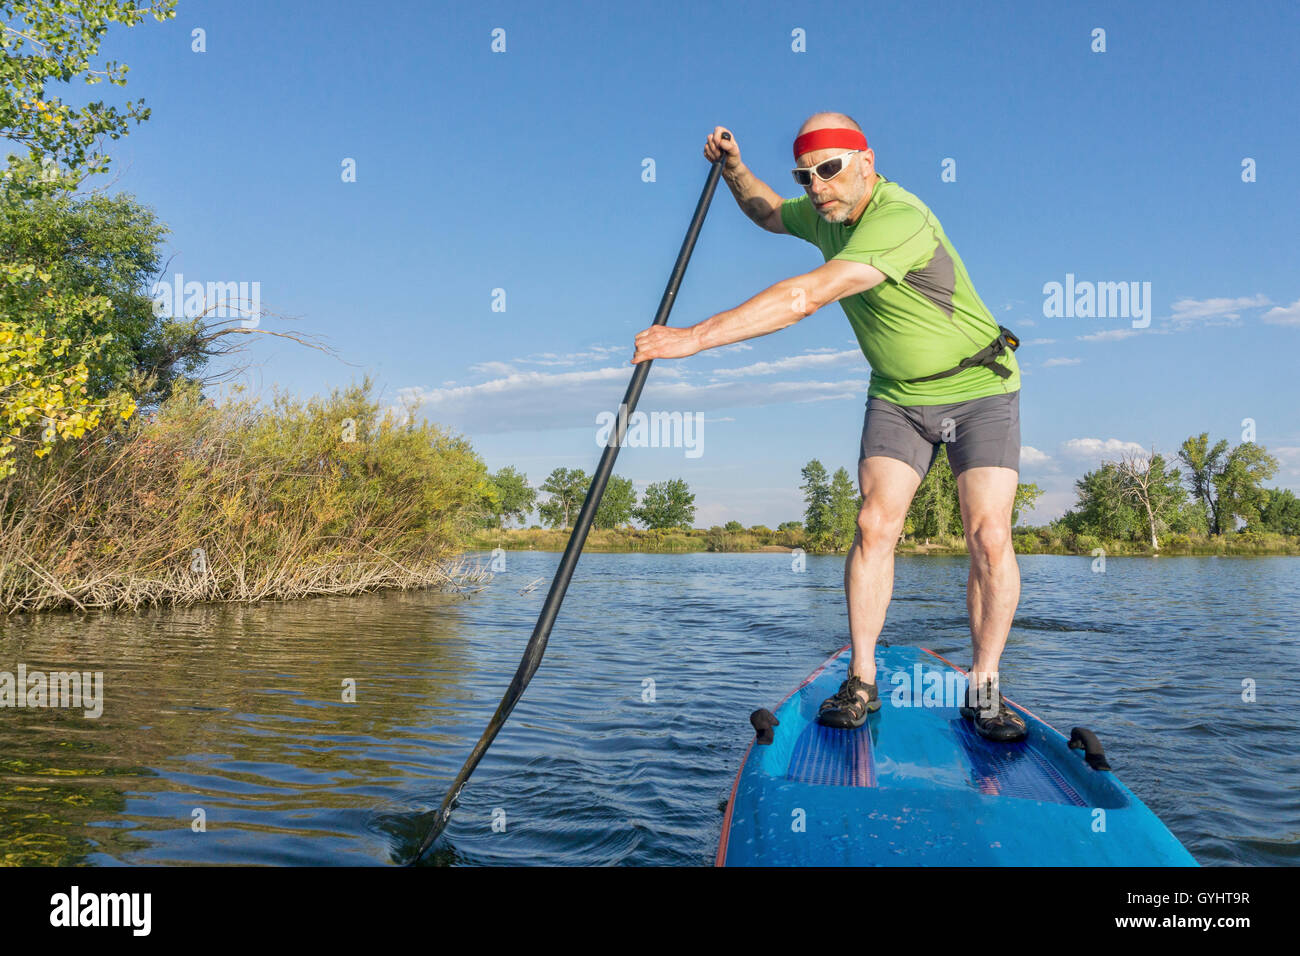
(916,786)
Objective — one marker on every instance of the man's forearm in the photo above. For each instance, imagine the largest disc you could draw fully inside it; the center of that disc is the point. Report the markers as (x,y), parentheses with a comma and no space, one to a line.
(756,198)
(773,309)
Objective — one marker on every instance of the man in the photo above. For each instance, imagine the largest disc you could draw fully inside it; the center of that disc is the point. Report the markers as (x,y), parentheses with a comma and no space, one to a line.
(942,369)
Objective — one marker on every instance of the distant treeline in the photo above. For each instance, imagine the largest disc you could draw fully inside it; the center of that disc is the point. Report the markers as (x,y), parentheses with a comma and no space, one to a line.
(1137,503)
(665,504)
(829,521)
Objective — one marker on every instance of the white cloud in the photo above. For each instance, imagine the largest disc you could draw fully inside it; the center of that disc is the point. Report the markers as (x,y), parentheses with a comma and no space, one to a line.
(594,353)
(542,400)
(1288,457)
(1061,361)
(1284,315)
(1049,506)
(794,363)
(1029,455)
(1109,335)
(1220,311)
(1099,448)
(493,368)
(1041,342)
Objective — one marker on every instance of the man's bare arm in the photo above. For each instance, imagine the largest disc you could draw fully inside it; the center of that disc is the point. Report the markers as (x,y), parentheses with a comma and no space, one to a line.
(785,303)
(756,199)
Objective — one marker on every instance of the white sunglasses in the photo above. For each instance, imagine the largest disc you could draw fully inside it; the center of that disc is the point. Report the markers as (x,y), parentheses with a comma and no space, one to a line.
(826,170)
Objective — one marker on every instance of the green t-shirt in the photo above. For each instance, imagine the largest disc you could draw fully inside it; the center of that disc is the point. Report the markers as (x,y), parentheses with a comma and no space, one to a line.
(926,317)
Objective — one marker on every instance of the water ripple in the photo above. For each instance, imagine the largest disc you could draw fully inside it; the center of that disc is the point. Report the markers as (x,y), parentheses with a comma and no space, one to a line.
(326,731)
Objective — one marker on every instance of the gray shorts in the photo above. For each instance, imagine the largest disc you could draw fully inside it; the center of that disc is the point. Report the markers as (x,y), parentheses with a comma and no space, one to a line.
(978,432)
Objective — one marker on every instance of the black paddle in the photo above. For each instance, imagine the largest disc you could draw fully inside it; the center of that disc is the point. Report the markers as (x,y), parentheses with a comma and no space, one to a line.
(537,643)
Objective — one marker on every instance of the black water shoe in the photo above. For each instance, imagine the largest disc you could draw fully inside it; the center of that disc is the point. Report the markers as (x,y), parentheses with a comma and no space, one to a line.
(848,707)
(995,720)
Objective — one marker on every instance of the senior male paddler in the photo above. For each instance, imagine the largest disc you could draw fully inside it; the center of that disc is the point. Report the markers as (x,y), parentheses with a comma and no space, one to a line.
(942,369)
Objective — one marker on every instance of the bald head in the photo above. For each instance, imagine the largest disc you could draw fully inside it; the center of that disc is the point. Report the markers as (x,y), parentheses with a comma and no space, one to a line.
(844,197)
(828,120)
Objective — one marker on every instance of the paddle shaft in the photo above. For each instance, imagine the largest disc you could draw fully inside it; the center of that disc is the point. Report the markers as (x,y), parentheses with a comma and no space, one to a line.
(542,631)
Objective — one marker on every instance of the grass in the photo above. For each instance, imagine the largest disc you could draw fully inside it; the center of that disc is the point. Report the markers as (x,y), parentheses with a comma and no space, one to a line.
(243,502)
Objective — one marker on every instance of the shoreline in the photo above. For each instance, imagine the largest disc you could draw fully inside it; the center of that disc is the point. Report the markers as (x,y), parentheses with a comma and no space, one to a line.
(914,550)
(716,541)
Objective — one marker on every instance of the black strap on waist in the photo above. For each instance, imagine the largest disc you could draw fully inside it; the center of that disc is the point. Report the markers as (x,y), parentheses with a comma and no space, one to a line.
(986,356)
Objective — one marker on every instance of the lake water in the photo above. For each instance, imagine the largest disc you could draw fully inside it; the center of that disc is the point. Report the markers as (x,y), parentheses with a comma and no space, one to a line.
(238,712)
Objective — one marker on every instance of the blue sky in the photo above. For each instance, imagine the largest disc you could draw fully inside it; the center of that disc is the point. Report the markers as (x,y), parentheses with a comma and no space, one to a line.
(522,170)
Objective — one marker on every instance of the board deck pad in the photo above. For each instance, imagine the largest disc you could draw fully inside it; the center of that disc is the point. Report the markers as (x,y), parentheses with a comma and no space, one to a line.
(917,786)
(830,757)
(1018,771)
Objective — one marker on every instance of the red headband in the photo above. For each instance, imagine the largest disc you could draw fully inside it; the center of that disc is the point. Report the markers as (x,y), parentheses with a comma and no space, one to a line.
(826,138)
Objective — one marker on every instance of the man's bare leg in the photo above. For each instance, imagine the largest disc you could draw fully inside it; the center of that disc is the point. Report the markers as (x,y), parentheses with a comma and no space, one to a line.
(987,495)
(887,486)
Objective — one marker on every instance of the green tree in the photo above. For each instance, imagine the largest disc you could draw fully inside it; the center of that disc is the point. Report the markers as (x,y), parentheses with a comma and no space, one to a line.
(510,498)
(1026,497)
(817,498)
(935,510)
(1239,486)
(567,489)
(790,526)
(1155,490)
(617,504)
(1191,519)
(845,503)
(1204,464)
(666,504)
(44,396)
(1280,512)
(106,247)
(56,341)
(45,44)
(1101,509)
(733,527)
